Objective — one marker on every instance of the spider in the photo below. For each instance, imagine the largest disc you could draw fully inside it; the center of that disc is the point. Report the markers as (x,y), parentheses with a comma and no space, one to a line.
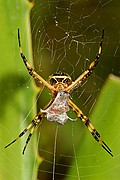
(60,84)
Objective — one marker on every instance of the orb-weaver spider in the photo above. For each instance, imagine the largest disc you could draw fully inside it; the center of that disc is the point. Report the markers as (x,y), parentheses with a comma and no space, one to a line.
(61,85)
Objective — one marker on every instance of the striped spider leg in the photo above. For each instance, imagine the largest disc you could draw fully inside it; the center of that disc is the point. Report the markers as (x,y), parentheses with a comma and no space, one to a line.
(90,69)
(90,127)
(31,70)
(33,125)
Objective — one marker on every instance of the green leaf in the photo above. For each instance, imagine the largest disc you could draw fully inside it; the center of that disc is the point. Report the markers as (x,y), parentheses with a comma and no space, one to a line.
(17,92)
(92,161)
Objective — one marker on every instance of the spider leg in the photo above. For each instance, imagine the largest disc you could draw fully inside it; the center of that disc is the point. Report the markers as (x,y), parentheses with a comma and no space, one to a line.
(30,69)
(33,124)
(90,69)
(21,134)
(28,139)
(90,127)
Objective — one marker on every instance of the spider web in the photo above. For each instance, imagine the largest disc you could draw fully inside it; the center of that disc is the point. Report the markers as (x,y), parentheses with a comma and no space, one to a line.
(66,36)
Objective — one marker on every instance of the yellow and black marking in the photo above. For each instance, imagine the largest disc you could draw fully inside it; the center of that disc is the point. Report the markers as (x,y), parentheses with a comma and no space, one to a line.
(60,77)
(90,127)
(28,139)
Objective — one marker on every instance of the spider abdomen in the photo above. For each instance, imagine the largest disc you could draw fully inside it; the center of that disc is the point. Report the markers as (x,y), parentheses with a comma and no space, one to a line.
(57,111)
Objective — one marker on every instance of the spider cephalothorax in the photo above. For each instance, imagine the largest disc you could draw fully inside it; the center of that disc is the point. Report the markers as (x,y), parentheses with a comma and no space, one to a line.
(60,84)
(60,80)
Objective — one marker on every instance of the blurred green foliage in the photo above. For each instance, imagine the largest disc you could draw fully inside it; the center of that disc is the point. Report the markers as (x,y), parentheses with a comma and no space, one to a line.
(17,93)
